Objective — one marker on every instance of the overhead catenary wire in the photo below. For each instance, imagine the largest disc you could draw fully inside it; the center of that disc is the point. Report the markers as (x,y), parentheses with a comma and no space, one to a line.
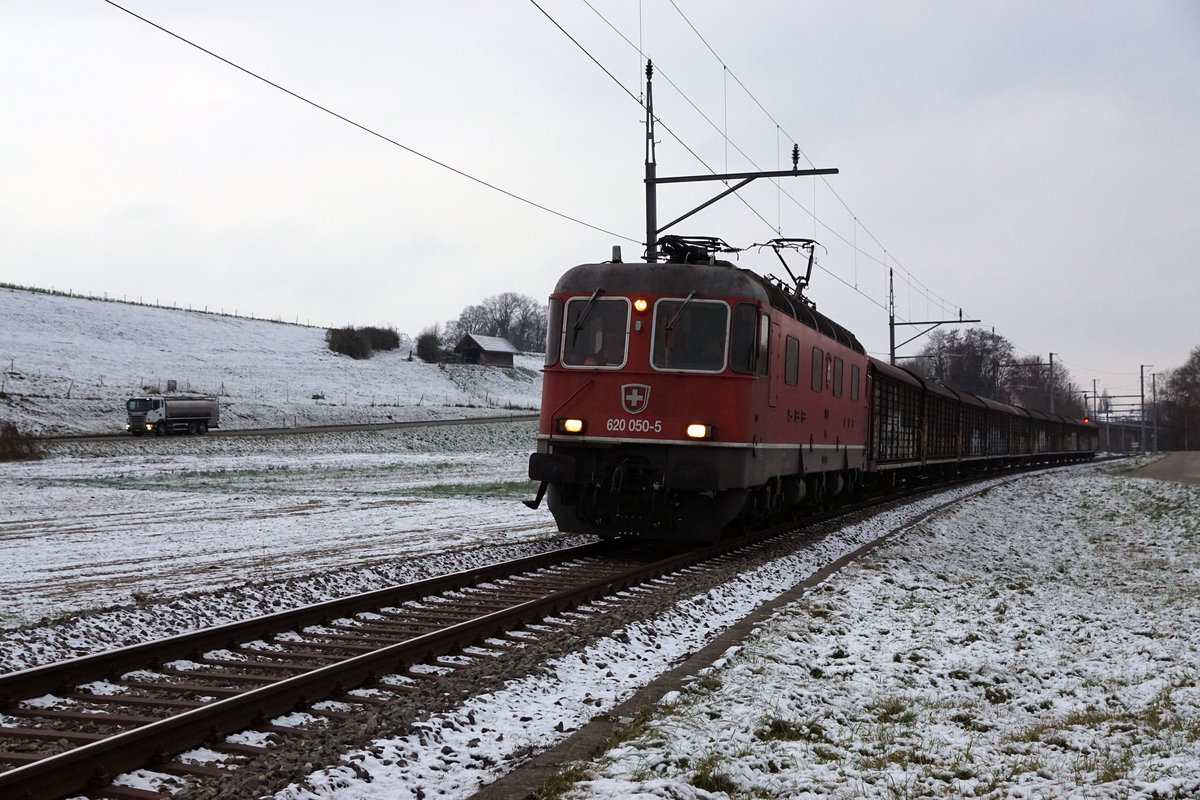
(908,275)
(905,277)
(371,131)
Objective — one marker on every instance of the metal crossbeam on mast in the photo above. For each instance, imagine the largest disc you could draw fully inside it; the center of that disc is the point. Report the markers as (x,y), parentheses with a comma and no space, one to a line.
(653,181)
(892,324)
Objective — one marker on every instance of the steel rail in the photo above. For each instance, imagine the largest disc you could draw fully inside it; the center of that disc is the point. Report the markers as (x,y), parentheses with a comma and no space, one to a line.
(91,765)
(50,678)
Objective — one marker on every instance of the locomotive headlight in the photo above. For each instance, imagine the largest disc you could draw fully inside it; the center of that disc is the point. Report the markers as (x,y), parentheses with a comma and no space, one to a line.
(570,426)
(698,431)
(639,305)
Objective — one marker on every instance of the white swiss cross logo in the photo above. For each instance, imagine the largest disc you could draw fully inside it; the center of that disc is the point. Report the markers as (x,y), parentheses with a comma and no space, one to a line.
(635,397)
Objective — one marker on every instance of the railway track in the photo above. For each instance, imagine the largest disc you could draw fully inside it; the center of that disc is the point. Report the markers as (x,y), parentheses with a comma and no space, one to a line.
(138,706)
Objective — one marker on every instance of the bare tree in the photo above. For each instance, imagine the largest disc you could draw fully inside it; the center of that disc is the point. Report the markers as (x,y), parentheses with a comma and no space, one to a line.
(1181,405)
(970,361)
(518,318)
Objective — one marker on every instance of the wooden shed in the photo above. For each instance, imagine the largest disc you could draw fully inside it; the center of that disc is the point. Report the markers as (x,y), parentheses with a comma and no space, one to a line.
(495,351)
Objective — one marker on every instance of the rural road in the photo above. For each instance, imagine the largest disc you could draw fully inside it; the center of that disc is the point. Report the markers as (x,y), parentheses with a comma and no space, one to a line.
(1182,466)
(369,426)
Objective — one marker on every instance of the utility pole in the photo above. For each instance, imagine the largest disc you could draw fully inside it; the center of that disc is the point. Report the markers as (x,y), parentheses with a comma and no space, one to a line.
(1142,385)
(1052,383)
(651,171)
(1154,406)
(892,316)
(932,323)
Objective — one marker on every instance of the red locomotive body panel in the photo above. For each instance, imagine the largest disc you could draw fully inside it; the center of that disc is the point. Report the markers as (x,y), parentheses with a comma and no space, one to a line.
(677,391)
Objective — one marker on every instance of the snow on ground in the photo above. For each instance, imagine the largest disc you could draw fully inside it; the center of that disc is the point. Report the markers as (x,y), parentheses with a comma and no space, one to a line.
(217,530)
(1038,641)
(67,365)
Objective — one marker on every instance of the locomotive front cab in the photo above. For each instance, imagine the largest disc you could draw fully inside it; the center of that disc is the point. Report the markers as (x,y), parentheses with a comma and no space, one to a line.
(649,374)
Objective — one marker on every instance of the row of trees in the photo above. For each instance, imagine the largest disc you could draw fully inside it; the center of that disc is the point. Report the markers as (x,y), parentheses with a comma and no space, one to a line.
(985,363)
(1178,408)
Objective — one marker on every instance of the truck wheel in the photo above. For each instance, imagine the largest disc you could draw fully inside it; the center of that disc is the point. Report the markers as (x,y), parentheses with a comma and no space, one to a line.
(202,428)
(160,430)
(191,429)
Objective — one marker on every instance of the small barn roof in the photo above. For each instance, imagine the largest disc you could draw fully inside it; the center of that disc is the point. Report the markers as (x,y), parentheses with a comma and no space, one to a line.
(488,344)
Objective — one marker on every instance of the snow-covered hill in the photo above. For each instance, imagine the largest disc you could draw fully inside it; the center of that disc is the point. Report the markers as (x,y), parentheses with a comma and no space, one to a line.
(67,365)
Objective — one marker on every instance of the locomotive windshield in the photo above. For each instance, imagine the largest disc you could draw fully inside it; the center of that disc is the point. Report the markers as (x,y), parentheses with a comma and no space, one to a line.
(595,331)
(138,405)
(690,334)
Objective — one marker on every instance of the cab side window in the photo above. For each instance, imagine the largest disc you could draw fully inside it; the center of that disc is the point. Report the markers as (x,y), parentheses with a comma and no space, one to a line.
(791,370)
(743,339)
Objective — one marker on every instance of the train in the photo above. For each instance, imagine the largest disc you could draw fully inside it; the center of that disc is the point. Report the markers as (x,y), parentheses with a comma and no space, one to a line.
(689,397)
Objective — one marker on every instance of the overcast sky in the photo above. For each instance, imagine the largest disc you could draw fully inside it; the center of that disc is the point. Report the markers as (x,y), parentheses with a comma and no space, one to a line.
(1035,163)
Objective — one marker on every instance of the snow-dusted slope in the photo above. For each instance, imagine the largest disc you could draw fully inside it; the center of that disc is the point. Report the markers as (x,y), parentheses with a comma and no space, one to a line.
(67,364)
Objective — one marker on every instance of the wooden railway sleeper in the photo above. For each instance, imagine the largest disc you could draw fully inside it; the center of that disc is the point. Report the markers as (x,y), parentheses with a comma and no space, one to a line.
(130,793)
(319,647)
(375,641)
(116,720)
(17,759)
(222,676)
(239,749)
(182,770)
(277,660)
(400,632)
(51,734)
(185,688)
(134,700)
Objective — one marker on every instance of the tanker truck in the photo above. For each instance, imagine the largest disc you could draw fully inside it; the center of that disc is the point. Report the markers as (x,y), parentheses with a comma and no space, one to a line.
(167,415)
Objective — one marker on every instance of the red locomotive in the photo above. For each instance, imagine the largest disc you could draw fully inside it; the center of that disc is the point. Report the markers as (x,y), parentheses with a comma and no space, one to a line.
(681,397)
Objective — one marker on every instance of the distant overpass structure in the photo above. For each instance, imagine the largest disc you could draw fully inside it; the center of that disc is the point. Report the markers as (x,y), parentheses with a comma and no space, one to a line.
(1125,435)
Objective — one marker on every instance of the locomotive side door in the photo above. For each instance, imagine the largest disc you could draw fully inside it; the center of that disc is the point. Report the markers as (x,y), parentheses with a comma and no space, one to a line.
(773,355)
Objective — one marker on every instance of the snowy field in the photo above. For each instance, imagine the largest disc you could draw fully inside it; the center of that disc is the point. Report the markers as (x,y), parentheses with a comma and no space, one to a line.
(88,529)
(1039,641)
(1042,641)
(68,364)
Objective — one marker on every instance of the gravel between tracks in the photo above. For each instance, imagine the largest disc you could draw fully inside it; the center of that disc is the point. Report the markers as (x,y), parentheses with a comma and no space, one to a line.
(468,727)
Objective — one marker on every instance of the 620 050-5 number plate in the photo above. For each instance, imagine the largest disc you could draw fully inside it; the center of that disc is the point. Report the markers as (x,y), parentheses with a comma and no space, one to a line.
(635,425)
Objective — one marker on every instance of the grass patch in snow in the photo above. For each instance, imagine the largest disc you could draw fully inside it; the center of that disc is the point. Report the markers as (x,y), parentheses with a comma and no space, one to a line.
(563,781)
(492,490)
(707,776)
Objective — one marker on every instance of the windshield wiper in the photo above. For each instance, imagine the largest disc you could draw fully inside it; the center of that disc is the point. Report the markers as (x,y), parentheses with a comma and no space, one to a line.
(587,312)
(674,319)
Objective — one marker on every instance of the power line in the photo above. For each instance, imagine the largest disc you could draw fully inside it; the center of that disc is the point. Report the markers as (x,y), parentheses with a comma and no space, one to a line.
(371,131)
(929,293)
(906,276)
